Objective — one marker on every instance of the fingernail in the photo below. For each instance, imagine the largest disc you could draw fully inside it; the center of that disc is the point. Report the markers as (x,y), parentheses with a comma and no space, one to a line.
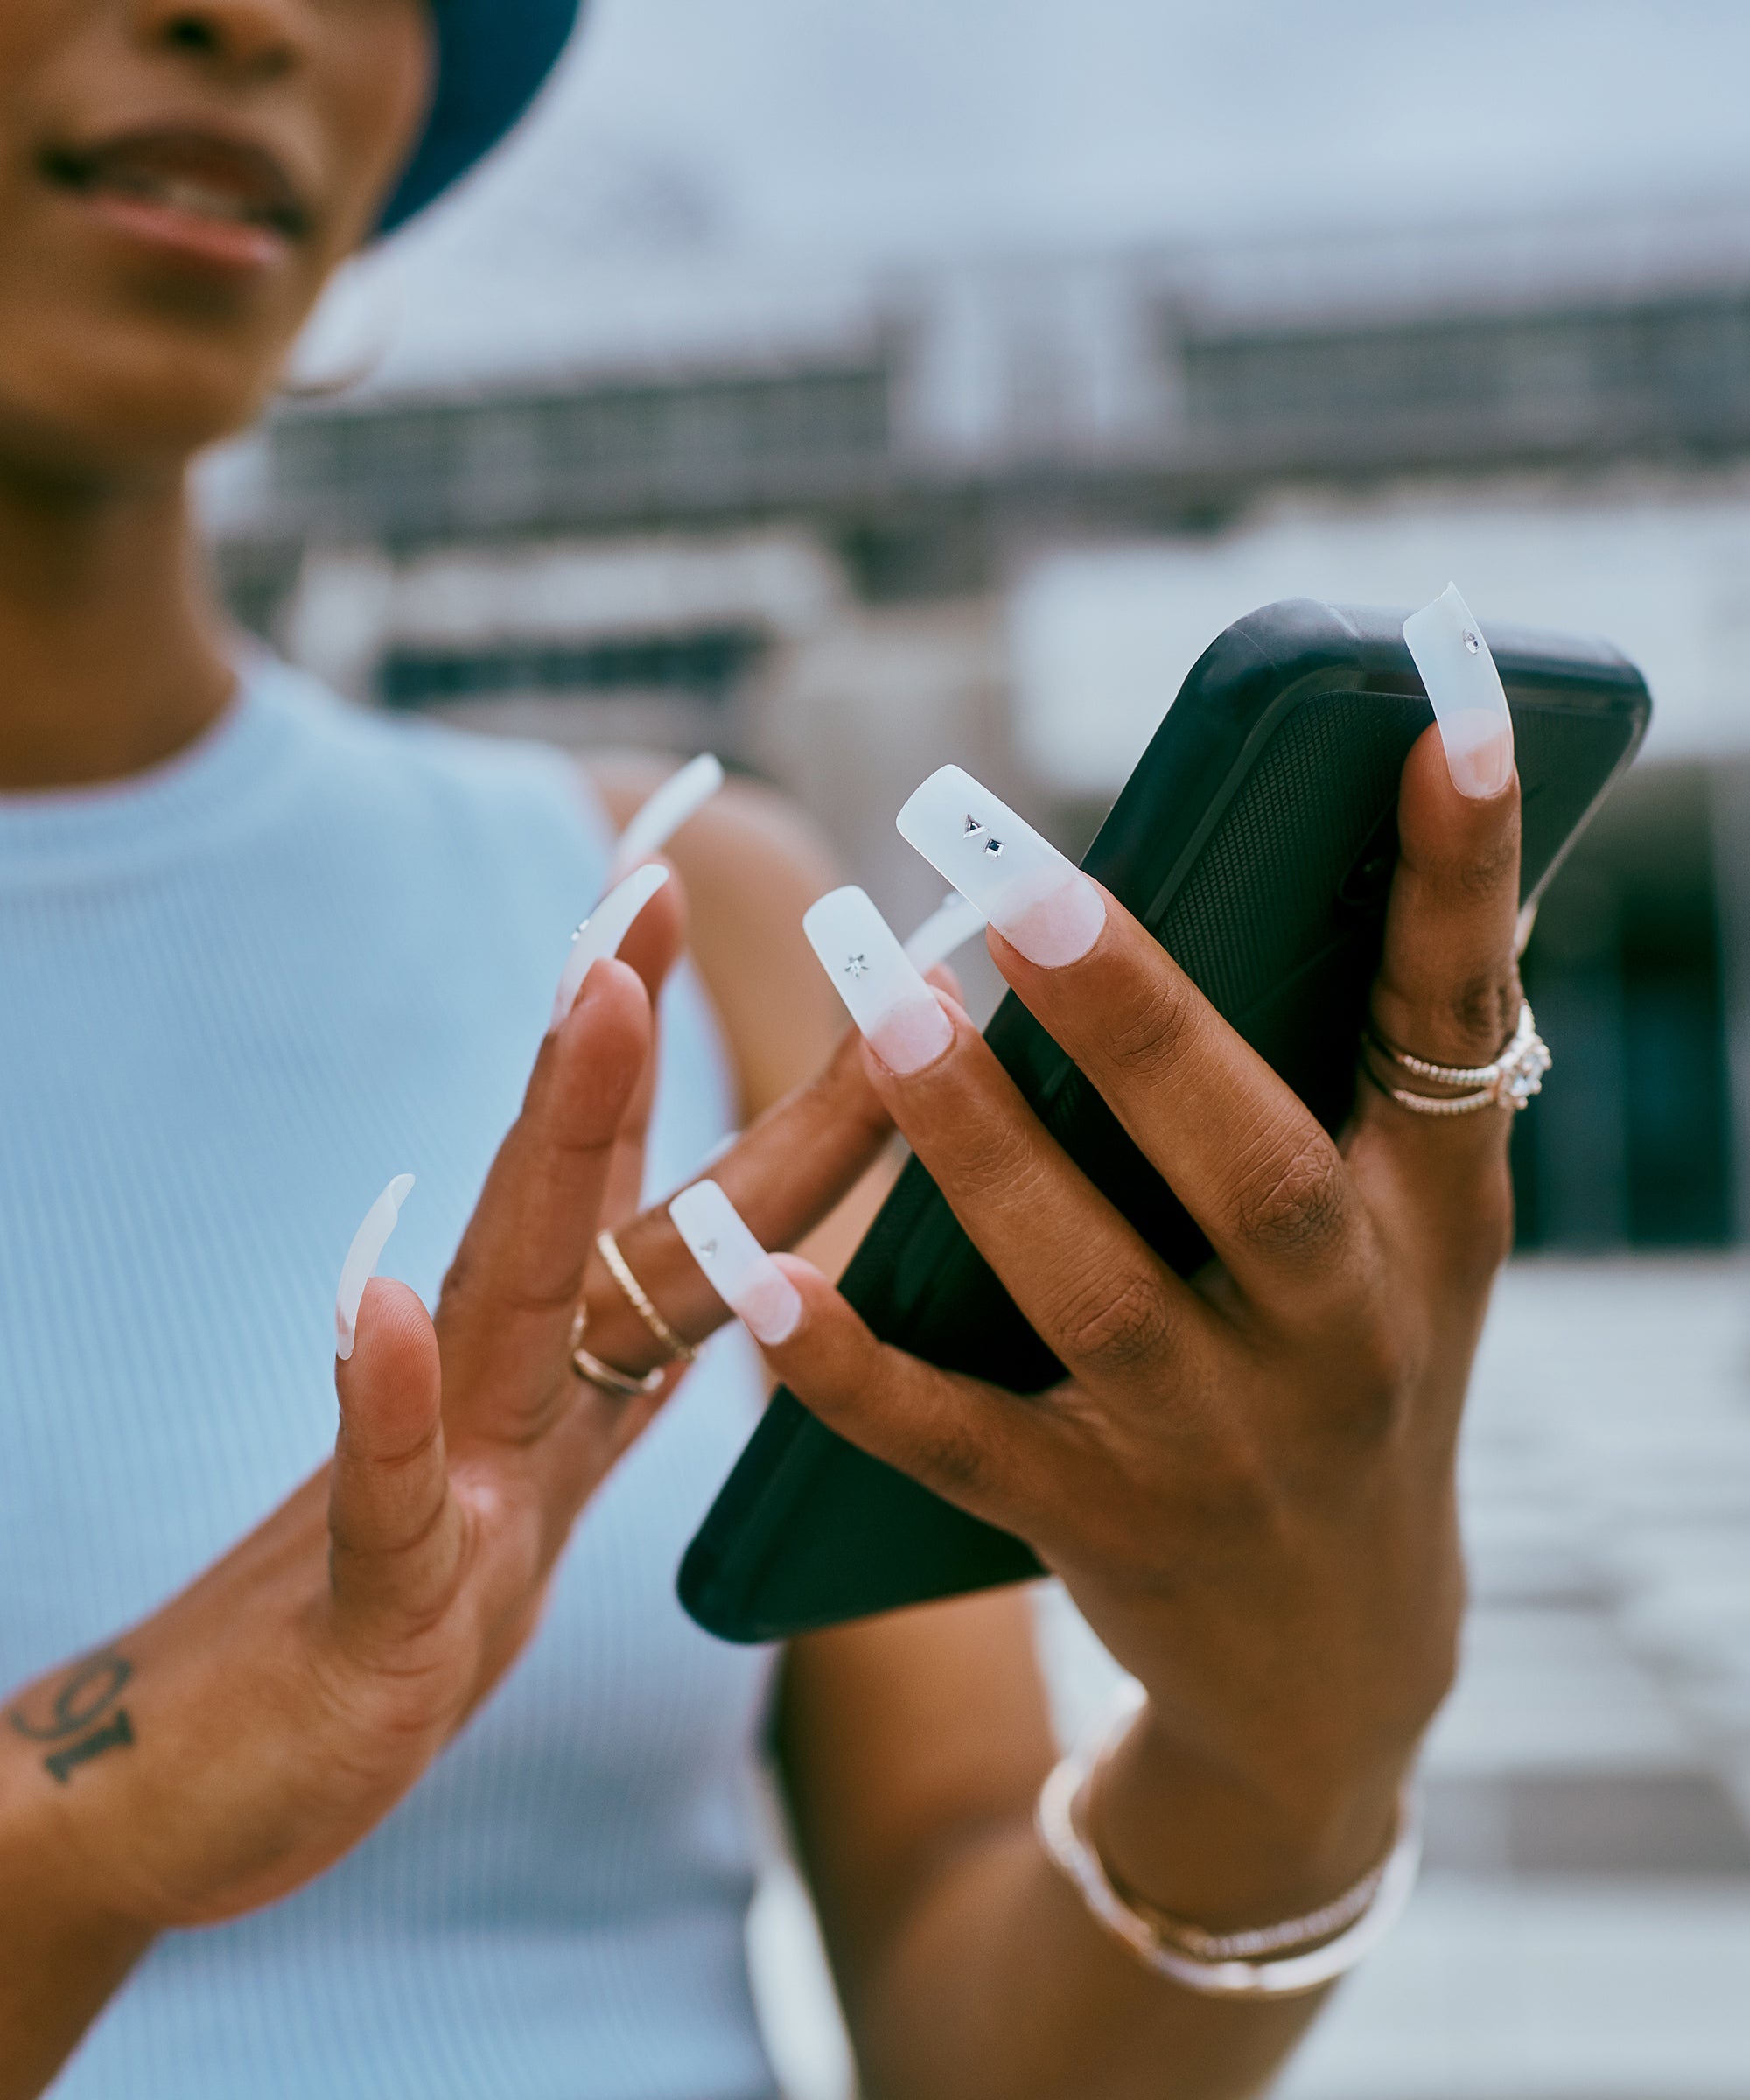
(736,1267)
(950,925)
(363,1257)
(1470,704)
(1036,898)
(657,819)
(601,934)
(896,1011)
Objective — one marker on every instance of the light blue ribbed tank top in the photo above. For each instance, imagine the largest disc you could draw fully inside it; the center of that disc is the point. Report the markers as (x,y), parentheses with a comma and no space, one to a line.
(235,997)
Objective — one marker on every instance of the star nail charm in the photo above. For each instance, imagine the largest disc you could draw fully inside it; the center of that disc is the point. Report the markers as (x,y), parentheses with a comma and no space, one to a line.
(857,966)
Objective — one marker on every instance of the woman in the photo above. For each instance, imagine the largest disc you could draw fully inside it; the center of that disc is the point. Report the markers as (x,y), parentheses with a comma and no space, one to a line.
(453,1794)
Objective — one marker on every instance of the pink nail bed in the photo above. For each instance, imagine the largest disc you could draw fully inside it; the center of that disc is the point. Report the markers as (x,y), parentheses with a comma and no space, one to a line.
(1463,688)
(1039,902)
(889,1001)
(1061,927)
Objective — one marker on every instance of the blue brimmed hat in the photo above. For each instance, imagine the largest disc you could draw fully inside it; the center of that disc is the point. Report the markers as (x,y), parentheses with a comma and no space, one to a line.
(493,56)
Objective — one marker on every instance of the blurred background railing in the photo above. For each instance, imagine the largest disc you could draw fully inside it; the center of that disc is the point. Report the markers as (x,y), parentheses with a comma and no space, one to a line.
(994,511)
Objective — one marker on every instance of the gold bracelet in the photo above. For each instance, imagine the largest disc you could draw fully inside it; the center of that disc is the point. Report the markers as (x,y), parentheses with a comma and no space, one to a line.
(1283,1960)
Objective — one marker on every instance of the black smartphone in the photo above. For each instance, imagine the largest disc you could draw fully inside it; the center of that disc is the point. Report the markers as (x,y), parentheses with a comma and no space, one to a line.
(1255,840)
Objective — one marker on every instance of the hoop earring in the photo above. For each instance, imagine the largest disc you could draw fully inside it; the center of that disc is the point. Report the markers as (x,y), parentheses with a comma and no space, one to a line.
(348,337)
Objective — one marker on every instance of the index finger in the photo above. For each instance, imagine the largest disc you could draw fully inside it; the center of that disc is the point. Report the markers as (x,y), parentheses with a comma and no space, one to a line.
(506,1309)
(1248,1159)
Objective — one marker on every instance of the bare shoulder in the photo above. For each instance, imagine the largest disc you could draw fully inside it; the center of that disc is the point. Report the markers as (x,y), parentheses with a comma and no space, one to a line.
(752,863)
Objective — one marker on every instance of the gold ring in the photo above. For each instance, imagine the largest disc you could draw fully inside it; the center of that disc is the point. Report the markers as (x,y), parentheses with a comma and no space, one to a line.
(638,1298)
(604,1377)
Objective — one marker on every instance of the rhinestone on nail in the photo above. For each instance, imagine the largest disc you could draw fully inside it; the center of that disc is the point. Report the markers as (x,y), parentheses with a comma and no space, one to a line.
(708,1247)
(993,846)
(972,827)
(1473,642)
(857,966)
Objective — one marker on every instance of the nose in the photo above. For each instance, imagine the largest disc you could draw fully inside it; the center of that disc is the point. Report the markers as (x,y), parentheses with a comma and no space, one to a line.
(255,38)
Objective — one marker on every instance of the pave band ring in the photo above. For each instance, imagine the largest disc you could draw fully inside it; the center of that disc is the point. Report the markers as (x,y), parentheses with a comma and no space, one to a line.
(638,1297)
(1509,1079)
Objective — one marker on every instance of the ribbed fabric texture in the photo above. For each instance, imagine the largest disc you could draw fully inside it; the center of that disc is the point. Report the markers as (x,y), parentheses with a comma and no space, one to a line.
(235,998)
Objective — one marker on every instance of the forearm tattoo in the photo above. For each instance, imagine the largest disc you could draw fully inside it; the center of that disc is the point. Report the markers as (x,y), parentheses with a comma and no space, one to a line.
(82,1717)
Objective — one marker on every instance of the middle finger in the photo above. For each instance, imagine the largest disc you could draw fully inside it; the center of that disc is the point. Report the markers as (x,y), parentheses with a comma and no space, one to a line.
(1091,1287)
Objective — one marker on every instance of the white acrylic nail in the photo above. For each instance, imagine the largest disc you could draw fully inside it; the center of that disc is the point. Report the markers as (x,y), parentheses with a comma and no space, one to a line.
(736,1267)
(1036,898)
(1469,702)
(363,1257)
(953,923)
(601,934)
(657,819)
(878,981)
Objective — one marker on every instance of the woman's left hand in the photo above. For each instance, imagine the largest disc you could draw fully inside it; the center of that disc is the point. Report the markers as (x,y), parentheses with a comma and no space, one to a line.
(1246,1480)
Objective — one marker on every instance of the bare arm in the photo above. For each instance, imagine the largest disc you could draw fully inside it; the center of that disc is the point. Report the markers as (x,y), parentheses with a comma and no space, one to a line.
(913,1749)
(65,1947)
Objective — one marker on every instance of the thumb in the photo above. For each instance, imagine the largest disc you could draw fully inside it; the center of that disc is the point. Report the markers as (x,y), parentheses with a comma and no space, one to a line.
(395,1528)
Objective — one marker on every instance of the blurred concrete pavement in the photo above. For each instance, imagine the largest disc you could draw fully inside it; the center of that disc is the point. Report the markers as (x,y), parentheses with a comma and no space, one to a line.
(1583,1928)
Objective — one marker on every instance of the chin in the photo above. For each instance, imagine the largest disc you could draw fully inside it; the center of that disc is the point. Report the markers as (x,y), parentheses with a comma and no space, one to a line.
(92,404)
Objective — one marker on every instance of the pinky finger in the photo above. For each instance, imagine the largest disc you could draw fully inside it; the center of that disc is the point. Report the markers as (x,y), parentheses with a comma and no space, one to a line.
(984,1450)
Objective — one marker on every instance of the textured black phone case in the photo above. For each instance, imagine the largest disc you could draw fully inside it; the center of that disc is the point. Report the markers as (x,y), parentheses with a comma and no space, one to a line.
(1255,839)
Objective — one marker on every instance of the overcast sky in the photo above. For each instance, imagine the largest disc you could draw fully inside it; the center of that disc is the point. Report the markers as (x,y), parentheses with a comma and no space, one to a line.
(832,132)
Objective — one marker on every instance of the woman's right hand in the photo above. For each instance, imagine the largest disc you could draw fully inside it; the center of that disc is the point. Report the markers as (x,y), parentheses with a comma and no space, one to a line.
(239,1740)
(236,1743)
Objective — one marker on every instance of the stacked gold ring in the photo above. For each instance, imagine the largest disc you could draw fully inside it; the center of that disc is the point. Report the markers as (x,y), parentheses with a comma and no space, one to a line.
(673,1349)
(607,1377)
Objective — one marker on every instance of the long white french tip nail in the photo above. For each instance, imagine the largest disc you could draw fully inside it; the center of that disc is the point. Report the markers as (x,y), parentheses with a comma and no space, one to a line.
(736,1267)
(363,1257)
(896,1011)
(601,934)
(1036,898)
(1469,701)
(656,819)
(953,923)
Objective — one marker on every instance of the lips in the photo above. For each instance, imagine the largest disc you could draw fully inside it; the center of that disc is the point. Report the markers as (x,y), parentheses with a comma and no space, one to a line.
(207,185)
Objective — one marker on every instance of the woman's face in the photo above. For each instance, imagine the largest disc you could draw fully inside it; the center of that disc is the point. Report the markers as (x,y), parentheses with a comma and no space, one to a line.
(178,178)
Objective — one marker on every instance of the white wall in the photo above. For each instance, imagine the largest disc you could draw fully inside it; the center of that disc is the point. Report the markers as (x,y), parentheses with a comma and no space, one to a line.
(1102,637)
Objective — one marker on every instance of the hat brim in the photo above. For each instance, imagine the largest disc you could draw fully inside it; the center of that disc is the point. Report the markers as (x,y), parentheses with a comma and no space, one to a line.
(493,56)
